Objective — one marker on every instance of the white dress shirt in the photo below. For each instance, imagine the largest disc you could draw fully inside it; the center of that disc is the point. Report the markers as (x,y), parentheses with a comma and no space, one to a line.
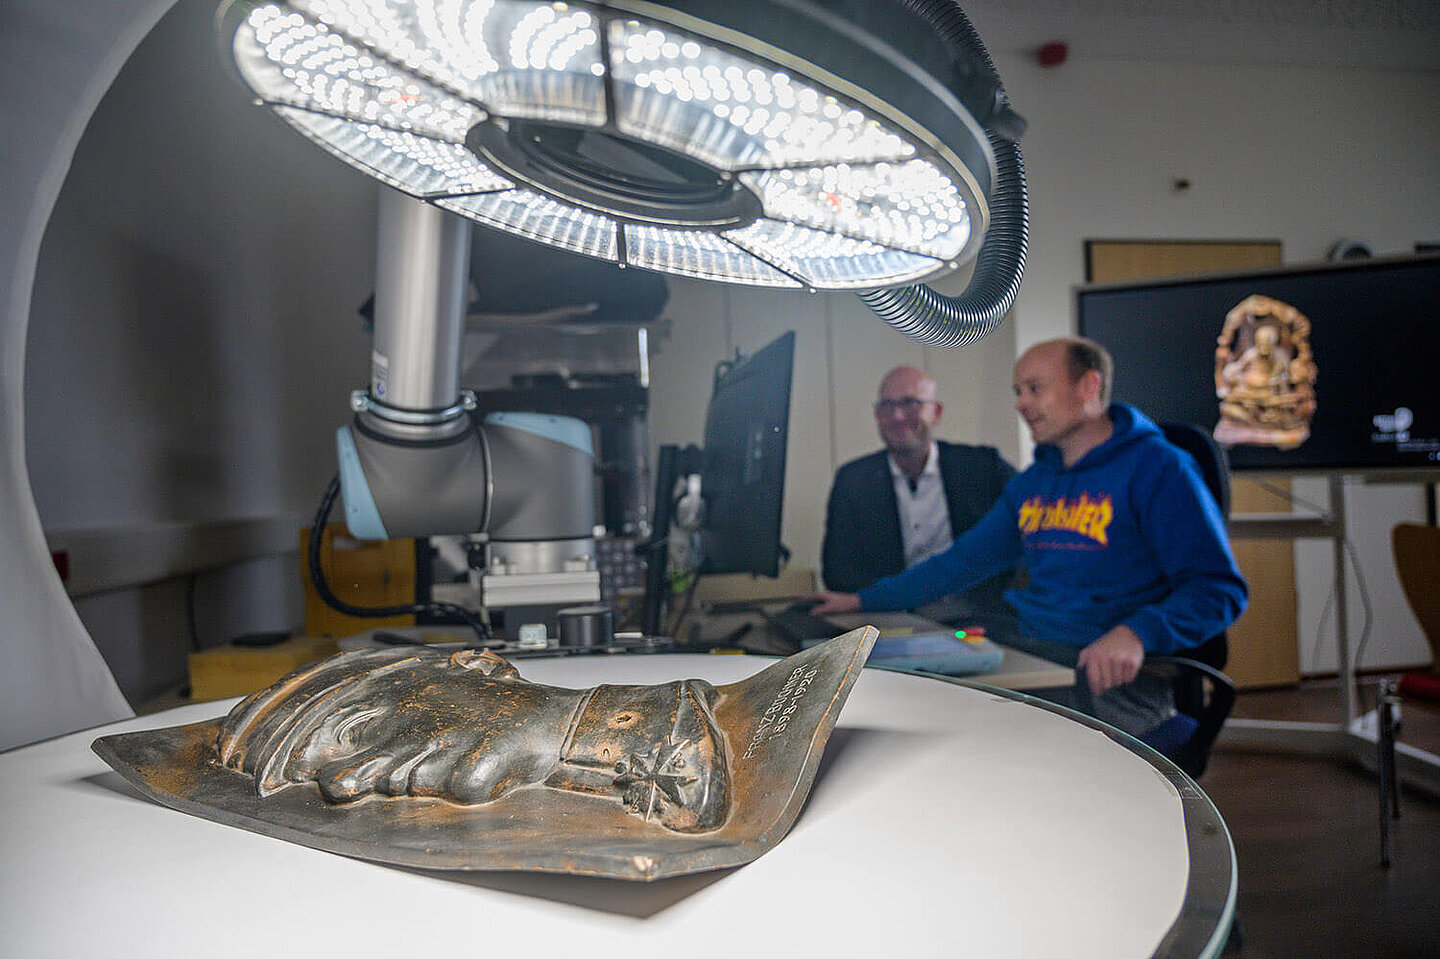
(924,514)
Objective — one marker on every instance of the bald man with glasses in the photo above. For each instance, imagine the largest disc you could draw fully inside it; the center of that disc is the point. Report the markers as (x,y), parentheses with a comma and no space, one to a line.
(907,502)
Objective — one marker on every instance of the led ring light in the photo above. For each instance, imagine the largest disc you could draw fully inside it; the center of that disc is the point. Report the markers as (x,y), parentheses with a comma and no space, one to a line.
(641,134)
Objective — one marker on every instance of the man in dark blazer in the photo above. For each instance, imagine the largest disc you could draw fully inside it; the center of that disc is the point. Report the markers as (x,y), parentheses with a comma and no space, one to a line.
(900,505)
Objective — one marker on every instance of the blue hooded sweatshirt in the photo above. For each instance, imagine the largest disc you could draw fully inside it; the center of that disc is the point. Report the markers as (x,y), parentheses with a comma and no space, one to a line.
(1127,535)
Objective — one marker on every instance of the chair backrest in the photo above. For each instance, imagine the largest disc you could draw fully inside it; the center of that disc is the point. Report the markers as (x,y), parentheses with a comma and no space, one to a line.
(1417,564)
(1209,455)
(1215,470)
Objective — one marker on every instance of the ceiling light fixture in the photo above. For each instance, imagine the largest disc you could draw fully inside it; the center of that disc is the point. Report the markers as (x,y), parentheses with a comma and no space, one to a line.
(789,144)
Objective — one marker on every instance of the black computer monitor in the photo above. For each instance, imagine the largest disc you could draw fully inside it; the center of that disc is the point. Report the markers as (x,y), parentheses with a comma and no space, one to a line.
(1372,333)
(742,479)
(742,471)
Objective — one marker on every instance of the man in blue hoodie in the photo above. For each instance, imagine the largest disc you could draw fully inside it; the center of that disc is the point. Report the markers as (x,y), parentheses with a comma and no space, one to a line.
(1124,547)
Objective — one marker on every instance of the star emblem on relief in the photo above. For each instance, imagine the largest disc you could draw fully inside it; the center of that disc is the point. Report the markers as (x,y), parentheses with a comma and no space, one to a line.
(649,781)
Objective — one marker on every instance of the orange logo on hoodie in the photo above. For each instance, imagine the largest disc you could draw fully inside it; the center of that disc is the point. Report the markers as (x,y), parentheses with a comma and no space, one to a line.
(1086,516)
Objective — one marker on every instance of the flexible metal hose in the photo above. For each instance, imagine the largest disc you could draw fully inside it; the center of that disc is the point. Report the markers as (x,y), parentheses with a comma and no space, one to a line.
(950,321)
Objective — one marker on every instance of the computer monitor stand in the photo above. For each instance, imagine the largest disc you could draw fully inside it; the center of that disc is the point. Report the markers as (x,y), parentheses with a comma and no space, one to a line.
(672,463)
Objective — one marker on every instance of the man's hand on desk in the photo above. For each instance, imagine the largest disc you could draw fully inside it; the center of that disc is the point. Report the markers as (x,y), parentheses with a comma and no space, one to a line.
(826,603)
(1112,660)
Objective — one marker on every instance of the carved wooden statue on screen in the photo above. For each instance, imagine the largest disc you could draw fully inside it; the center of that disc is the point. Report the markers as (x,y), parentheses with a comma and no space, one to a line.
(1264,375)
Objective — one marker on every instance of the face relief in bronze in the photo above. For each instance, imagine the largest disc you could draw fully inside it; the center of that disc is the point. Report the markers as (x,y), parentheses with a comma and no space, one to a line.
(452,760)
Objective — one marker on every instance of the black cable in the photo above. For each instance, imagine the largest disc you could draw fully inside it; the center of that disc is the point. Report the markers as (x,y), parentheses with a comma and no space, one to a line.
(925,314)
(685,606)
(317,575)
(1291,498)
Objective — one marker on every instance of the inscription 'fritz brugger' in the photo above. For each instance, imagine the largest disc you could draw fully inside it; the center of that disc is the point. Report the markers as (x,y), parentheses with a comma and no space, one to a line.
(777,717)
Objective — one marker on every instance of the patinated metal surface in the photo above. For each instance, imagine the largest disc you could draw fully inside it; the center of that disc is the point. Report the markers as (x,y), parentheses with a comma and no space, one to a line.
(428,758)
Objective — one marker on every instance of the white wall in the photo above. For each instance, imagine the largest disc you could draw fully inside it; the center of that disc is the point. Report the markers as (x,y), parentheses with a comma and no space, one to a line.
(1305,156)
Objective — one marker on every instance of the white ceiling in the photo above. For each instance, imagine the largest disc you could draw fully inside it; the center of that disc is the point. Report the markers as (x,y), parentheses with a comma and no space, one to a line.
(1387,34)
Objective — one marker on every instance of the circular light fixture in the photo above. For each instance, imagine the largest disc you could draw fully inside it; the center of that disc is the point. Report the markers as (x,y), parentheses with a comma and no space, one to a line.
(667,137)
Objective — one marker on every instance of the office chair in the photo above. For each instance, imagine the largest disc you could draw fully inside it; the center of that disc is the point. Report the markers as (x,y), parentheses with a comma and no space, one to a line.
(1204,695)
(1417,564)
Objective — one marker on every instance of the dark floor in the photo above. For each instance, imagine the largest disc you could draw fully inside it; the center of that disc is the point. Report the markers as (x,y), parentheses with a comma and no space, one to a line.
(1307,840)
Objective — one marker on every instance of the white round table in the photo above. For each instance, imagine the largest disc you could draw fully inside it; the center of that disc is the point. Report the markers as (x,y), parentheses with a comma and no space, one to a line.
(947,818)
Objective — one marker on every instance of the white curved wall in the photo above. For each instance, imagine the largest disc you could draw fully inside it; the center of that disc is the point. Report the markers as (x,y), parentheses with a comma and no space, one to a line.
(55,62)
(180,338)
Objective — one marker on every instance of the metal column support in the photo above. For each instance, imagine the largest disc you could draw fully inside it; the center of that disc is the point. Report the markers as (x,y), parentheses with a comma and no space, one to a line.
(1344,663)
(422,270)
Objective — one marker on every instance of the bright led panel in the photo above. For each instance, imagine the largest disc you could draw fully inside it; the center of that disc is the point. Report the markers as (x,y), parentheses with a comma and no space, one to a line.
(640,134)
(909,206)
(827,261)
(746,115)
(699,254)
(540,218)
(412,164)
(288,59)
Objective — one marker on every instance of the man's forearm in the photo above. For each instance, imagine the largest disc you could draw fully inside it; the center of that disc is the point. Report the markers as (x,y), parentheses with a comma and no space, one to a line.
(914,587)
(984,549)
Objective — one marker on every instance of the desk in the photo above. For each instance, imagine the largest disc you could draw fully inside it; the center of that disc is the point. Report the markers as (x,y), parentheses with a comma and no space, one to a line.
(1018,670)
(947,816)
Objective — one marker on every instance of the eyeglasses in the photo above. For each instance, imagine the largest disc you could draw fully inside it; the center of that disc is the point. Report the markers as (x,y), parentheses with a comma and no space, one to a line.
(909,405)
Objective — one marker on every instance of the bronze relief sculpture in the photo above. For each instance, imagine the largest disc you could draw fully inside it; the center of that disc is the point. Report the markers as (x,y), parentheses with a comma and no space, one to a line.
(464,727)
(451,760)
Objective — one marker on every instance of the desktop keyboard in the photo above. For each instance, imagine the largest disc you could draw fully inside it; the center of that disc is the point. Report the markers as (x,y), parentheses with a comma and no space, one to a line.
(798,624)
(940,651)
(621,570)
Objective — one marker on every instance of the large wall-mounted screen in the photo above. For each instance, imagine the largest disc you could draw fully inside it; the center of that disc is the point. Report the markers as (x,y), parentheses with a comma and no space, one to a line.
(1329,367)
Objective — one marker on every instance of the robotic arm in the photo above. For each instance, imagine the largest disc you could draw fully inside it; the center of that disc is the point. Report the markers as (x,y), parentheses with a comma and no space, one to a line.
(416,461)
